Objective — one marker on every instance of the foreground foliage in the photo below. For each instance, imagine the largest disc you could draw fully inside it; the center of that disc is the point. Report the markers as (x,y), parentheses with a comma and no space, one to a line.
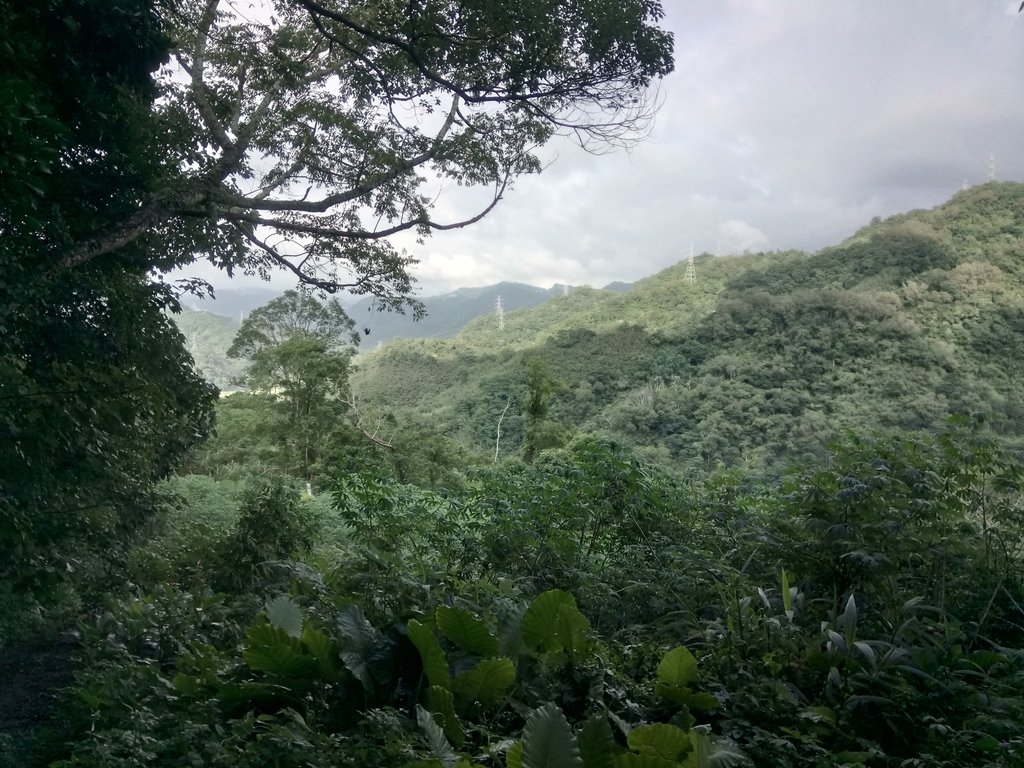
(585,610)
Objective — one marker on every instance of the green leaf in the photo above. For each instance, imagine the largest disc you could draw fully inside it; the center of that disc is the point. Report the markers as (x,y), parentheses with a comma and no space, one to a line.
(552,623)
(597,743)
(678,669)
(819,715)
(441,702)
(540,623)
(660,739)
(787,596)
(466,631)
(435,736)
(357,638)
(435,665)
(548,740)
(707,754)
(188,684)
(270,649)
(686,698)
(321,648)
(572,631)
(485,684)
(285,613)
(849,620)
(514,756)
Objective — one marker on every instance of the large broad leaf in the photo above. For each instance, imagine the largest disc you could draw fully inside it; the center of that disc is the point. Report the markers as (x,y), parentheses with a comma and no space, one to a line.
(435,737)
(539,625)
(357,638)
(597,743)
(484,685)
(466,631)
(678,668)
(321,648)
(441,703)
(270,649)
(514,756)
(661,740)
(354,630)
(573,631)
(435,665)
(552,623)
(285,613)
(548,740)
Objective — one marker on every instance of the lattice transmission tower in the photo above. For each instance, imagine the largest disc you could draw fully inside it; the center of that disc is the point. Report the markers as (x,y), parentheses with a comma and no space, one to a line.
(499,311)
(691,269)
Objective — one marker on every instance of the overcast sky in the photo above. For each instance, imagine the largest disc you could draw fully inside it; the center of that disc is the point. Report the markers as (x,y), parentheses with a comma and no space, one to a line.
(787,124)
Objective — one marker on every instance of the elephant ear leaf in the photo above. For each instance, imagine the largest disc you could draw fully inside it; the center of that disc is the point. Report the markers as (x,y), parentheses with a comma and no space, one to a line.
(678,668)
(358,642)
(435,665)
(435,736)
(660,740)
(272,650)
(548,740)
(552,624)
(597,743)
(484,685)
(467,631)
(675,673)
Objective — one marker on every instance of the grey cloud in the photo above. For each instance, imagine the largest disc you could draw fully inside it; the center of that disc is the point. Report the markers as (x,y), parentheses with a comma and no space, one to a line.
(798,120)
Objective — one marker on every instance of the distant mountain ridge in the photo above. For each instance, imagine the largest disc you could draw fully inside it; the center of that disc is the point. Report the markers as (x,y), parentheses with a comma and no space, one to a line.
(233,302)
(209,325)
(764,358)
(448,313)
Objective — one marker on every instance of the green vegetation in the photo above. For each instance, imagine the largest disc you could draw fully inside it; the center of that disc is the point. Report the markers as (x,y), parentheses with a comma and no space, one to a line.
(208,338)
(587,609)
(569,544)
(766,358)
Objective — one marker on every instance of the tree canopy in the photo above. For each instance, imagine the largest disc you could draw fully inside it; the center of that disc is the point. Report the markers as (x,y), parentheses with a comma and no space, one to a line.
(300,350)
(301,135)
(292,135)
(98,397)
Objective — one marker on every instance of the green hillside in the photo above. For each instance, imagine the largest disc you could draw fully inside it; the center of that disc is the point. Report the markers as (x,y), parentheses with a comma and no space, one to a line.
(767,357)
(207,338)
(447,314)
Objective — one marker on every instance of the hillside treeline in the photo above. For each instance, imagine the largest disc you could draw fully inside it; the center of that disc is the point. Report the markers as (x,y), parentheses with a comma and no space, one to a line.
(912,320)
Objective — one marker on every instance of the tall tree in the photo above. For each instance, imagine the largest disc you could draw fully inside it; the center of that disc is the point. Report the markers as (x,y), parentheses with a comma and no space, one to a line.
(300,350)
(301,136)
(298,135)
(98,398)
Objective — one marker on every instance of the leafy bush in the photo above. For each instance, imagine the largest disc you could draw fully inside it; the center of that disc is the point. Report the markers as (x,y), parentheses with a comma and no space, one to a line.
(274,523)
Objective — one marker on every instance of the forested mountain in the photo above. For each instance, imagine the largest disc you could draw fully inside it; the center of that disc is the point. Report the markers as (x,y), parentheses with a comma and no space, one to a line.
(209,333)
(317,573)
(447,314)
(207,338)
(767,357)
(233,302)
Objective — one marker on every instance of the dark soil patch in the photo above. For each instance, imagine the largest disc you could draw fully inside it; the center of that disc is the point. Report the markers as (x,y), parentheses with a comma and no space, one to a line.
(32,675)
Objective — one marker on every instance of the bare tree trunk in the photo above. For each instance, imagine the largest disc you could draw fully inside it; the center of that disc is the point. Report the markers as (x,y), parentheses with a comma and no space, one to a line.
(497,440)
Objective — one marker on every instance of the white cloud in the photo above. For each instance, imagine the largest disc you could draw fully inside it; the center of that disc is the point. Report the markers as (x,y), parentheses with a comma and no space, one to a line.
(735,236)
(786,125)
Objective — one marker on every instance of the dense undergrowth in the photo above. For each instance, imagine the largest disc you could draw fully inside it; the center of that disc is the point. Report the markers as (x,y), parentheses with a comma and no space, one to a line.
(586,610)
